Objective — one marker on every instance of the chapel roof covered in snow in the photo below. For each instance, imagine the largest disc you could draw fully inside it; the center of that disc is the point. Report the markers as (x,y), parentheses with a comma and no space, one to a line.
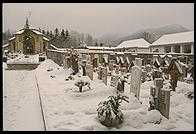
(175,38)
(134,43)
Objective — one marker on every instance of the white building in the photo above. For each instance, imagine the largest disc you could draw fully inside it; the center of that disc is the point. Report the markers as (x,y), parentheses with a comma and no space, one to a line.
(137,45)
(174,43)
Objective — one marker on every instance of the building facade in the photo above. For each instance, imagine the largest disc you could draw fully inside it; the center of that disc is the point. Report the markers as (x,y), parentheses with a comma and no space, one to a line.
(174,43)
(28,41)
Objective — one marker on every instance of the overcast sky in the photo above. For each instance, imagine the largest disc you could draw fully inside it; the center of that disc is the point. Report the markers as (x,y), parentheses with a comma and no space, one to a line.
(97,18)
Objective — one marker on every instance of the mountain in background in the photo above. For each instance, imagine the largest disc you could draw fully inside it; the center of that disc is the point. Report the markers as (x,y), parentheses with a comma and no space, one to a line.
(150,35)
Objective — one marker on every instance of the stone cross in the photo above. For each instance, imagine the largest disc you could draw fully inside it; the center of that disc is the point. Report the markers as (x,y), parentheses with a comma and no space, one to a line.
(135,81)
(89,71)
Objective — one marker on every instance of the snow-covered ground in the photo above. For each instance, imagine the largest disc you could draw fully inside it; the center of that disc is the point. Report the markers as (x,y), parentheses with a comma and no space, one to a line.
(65,108)
(22,59)
(21,106)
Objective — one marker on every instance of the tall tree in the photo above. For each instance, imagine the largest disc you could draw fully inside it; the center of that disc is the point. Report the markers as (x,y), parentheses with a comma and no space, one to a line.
(56,32)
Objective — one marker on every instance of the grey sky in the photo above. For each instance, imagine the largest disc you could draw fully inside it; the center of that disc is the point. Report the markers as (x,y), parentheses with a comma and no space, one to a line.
(98,18)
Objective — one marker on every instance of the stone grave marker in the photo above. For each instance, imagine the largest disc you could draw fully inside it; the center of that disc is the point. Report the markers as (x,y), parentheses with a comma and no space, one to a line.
(89,71)
(135,81)
(164,102)
(144,76)
(114,80)
(111,66)
(104,75)
(117,69)
(88,59)
(123,70)
(138,62)
(161,97)
(99,73)
(65,62)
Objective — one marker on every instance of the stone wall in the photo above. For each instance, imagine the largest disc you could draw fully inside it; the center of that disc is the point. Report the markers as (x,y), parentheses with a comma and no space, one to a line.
(55,55)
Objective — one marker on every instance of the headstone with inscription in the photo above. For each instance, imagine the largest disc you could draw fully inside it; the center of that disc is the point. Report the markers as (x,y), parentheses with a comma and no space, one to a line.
(89,71)
(135,81)
(104,75)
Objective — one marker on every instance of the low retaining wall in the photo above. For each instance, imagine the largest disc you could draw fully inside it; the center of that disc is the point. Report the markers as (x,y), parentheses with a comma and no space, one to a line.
(22,66)
(55,55)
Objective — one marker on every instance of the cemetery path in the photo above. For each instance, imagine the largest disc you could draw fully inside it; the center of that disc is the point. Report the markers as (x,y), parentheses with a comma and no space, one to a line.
(21,106)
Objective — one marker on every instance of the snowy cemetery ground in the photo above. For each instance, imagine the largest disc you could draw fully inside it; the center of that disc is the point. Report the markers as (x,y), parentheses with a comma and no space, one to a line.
(65,108)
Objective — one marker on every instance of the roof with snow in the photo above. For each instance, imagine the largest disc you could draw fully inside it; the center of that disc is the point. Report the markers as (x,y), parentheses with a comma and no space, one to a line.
(100,48)
(19,32)
(182,37)
(37,32)
(5,45)
(121,59)
(134,43)
(12,38)
(44,38)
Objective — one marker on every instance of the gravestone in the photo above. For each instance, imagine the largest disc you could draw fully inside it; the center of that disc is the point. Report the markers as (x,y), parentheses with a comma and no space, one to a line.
(65,61)
(104,75)
(164,102)
(157,73)
(123,70)
(148,68)
(88,59)
(135,81)
(184,70)
(144,76)
(114,80)
(117,69)
(99,73)
(89,71)
(138,62)
(161,97)
(111,66)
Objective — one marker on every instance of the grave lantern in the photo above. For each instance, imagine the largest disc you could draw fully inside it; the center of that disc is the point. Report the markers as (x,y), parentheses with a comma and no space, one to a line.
(175,72)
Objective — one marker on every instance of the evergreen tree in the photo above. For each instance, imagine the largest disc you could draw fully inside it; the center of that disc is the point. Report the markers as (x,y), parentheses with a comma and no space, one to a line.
(43,31)
(96,44)
(62,33)
(56,32)
(66,33)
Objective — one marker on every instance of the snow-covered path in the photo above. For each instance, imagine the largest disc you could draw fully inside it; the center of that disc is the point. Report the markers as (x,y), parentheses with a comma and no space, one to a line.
(21,106)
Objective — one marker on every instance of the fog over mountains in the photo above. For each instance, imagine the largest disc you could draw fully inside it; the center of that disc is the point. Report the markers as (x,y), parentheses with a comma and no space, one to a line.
(150,35)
